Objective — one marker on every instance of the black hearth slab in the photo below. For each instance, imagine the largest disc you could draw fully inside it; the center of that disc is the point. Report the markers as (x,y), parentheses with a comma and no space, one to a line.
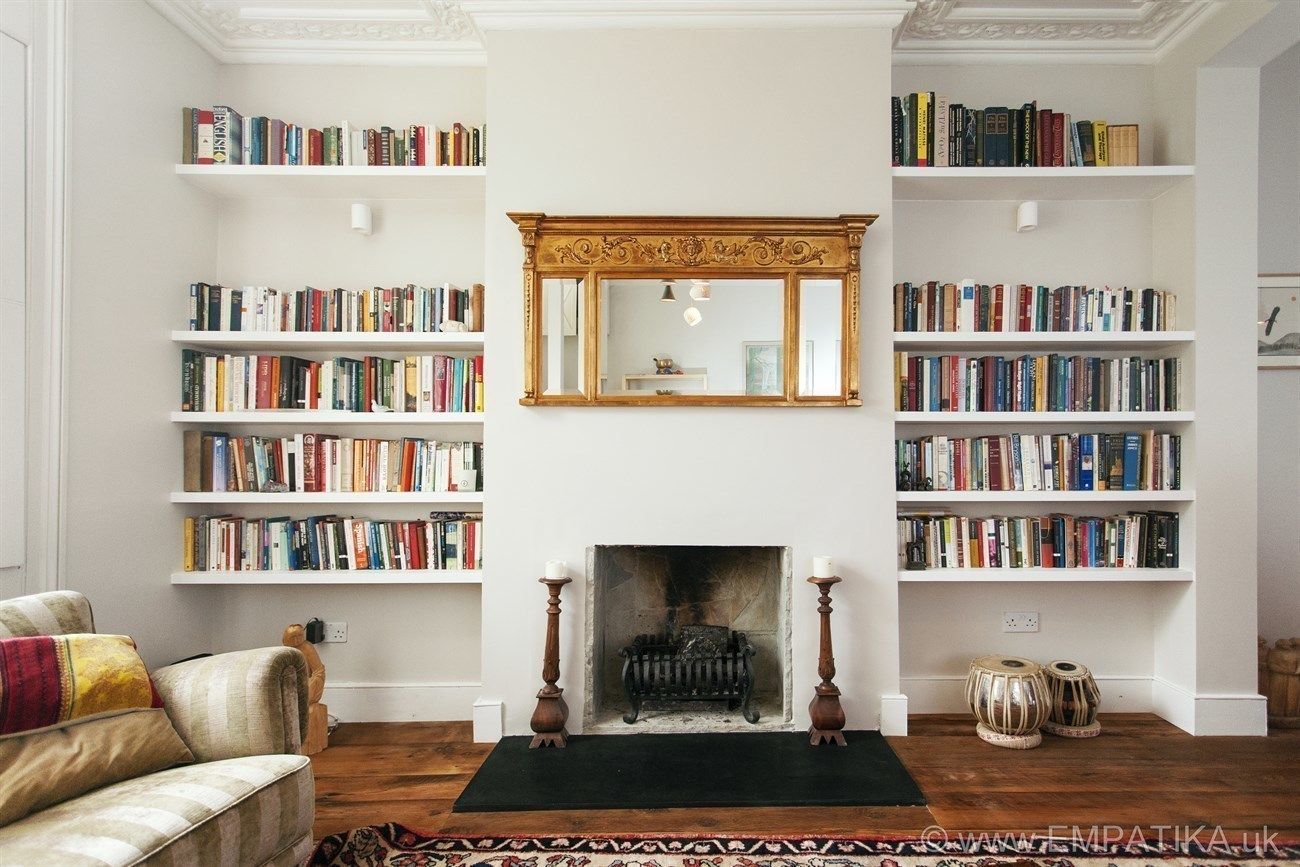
(646,771)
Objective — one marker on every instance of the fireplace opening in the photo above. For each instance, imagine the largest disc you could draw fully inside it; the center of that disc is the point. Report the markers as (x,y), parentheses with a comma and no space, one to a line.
(687,638)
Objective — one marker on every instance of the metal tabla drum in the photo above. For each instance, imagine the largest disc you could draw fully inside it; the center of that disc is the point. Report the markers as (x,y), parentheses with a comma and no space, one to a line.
(1075,699)
(1010,700)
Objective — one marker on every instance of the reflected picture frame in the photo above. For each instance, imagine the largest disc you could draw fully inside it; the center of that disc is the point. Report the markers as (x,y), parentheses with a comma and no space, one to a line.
(1278,329)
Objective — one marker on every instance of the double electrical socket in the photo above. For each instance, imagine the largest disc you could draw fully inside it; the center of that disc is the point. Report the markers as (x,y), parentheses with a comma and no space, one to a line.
(1012,621)
(336,632)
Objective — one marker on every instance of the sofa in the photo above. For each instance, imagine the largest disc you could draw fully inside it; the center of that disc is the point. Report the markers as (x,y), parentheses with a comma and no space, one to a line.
(248,797)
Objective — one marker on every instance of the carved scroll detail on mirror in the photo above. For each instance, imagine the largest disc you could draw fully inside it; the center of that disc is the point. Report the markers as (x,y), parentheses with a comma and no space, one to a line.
(654,253)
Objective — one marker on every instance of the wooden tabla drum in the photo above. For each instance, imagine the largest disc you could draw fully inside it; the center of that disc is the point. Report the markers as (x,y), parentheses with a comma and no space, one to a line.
(1075,699)
(1009,697)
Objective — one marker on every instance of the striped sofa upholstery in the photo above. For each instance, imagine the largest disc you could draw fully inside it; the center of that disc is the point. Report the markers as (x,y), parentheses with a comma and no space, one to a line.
(248,801)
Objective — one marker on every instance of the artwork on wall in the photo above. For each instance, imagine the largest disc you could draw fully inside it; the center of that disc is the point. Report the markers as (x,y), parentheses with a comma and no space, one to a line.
(762,363)
(1279,321)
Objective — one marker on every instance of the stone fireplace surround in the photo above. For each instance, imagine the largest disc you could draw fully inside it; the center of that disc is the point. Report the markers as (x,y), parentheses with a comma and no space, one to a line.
(640,589)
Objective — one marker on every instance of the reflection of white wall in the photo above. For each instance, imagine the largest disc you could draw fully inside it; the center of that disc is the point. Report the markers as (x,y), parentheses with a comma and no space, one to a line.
(642,328)
(1279,390)
(820,306)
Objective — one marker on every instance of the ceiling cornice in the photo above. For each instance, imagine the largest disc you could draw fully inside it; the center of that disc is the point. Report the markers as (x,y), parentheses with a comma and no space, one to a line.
(683,14)
(973,31)
(438,33)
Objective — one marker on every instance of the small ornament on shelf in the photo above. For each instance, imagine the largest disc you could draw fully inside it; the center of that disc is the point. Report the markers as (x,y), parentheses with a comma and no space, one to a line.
(915,556)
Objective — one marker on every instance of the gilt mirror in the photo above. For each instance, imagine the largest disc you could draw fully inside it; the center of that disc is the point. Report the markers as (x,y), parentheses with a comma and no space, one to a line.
(680,311)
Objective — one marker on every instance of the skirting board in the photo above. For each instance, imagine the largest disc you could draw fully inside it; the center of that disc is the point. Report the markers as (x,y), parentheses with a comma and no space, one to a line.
(893,714)
(401,702)
(1210,713)
(945,693)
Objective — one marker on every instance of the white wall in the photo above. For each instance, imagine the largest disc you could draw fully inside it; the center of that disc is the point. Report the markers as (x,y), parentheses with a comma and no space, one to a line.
(1279,390)
(406,655)
(578,123)
(136,237)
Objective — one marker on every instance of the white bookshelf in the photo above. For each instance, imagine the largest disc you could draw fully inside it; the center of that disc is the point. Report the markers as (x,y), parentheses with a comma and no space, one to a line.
(334,576)
(338,182)
(1103,576)
(1117,497)
(293,341)
(456,498)
(1140,183)
(1050,341)
(327,417)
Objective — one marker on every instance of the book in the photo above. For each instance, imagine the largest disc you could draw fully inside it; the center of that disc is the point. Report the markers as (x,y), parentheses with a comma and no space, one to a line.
(1134,540)
(1148,460)
(1101,147)
(1029,308)
(222,135)
(405,309)
(447,540)
(217,382)
(1043,383)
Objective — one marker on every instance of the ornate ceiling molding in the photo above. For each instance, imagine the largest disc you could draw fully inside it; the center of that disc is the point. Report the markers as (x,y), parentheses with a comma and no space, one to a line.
(415,32)
(449,32)
(1082,31)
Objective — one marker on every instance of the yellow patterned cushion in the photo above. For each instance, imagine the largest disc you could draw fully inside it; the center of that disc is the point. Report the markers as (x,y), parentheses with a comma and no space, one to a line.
(46,680)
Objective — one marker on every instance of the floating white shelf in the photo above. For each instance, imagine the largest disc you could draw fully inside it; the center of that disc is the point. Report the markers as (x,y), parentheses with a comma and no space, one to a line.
(1020,184)
(338,576)
(1045,496)
(338,182)
(1020,418)
(1100,576)
(324,416)
(293,340)
(451,498)
(976,341)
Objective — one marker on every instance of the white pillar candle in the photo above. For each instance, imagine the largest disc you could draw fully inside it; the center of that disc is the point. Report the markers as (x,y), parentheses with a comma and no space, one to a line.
(822,566)
(555,569)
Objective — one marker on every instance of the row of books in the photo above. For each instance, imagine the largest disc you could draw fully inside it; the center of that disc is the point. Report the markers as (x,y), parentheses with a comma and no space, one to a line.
(968,306)
(1036,383)
(404,309)
(222,136)
(1129,461)
(930,129)
(415,383)
(449,540)
(318,463)
(1135,540)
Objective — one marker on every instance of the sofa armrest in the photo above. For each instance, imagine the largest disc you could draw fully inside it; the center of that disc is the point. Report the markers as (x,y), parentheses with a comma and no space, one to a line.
(246,703)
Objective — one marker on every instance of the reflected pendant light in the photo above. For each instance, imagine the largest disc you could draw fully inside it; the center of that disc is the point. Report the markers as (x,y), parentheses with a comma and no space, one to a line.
(701,290)
(668,291)
(692,316)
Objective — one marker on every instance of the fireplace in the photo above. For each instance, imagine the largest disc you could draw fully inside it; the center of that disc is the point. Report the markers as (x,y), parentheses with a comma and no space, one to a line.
(687,638)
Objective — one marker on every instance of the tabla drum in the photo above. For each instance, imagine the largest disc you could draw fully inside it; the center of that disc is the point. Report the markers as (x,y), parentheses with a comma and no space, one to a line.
(1010,700)
(1075,699)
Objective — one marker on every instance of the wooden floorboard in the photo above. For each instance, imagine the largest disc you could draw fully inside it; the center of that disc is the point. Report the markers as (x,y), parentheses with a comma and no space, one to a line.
(1140,772)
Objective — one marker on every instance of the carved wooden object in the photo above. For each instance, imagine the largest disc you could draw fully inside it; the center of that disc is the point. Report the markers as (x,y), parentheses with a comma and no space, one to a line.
(317,737)
(827,715)
(1283,687)
(551,712)
(787,248)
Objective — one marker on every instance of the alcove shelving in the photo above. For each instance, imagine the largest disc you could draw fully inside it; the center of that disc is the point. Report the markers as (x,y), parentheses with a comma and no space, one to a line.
(307,183)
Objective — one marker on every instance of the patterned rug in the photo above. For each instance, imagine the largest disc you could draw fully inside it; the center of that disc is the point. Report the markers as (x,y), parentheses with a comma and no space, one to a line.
(398,846)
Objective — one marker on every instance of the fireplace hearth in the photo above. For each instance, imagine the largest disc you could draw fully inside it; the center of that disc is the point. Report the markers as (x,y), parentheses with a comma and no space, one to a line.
(687,638)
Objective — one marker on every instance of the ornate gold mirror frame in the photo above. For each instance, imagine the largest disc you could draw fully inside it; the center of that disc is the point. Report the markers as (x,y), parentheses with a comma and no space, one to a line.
(787,248)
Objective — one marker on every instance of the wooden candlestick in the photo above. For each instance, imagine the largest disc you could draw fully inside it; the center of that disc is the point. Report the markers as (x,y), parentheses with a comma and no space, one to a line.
(551,713)
(827,715)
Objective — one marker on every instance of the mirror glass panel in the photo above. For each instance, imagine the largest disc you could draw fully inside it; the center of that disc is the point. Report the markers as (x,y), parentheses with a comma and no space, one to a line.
(821,334)
(691,336)
(560,355)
